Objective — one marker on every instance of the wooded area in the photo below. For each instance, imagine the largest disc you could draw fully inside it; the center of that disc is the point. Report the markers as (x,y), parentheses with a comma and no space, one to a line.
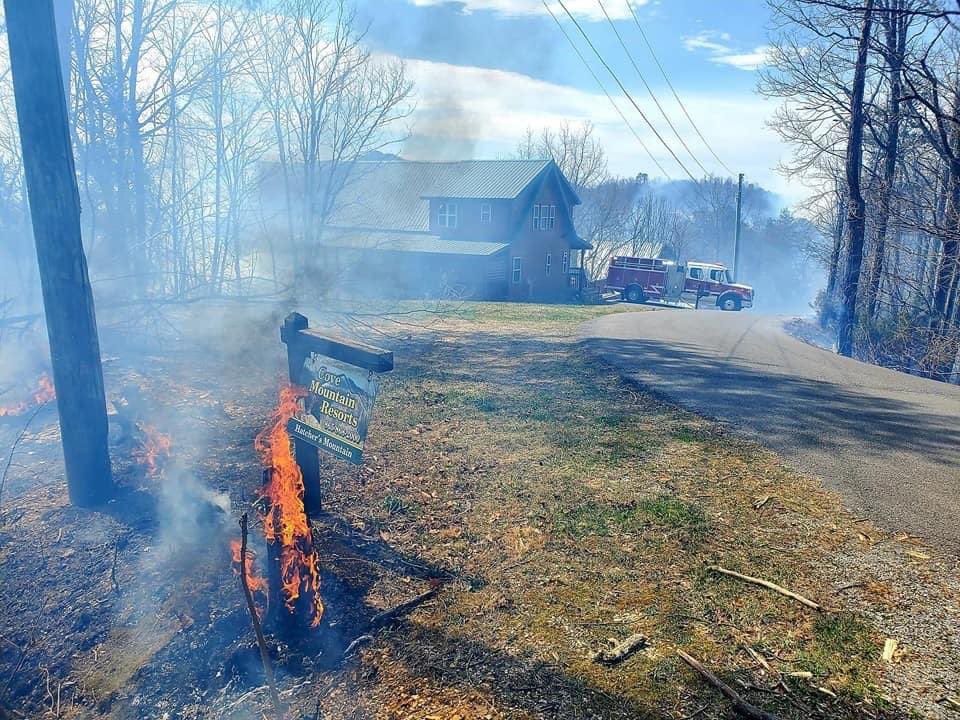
(176,108)
(870,99)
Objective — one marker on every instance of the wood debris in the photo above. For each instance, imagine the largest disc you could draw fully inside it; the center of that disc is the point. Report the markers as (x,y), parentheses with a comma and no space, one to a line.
(889,648)
(620,651)
(767,584)
(740,706)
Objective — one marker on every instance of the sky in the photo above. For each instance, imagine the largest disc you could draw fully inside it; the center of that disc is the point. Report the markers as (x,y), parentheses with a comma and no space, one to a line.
(486,70)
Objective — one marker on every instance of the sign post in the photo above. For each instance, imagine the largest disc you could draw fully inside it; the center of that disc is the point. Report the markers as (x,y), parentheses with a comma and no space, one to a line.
(340,377)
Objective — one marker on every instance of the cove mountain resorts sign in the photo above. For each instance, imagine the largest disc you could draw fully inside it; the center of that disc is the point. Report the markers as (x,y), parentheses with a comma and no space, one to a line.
(336,410)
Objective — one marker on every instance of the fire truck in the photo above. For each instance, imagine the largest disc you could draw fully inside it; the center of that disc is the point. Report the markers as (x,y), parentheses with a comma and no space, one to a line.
(641,279)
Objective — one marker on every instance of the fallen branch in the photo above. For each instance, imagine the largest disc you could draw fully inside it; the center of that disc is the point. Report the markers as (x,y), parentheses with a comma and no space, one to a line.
(621,651)
(357,643)
(767,584)
(740,706)
(396,613)
(261,641)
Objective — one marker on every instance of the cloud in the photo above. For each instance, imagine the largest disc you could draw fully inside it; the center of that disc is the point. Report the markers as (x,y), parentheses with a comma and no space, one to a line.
(617,9)
(708,40)
(494,108)
(719,50)
(745,61)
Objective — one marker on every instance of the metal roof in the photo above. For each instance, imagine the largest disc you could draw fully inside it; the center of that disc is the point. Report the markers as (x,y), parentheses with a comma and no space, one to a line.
(394,193)
(413,243)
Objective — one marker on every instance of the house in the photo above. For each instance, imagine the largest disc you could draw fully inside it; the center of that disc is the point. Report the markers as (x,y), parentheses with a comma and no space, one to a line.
(484,229)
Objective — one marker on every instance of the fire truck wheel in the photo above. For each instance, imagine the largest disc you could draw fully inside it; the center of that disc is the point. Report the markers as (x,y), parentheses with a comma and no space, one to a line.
(634,294)
(729,302)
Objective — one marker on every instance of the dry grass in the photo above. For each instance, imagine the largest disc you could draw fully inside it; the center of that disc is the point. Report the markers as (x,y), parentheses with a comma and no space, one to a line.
(564,507)
(582,509)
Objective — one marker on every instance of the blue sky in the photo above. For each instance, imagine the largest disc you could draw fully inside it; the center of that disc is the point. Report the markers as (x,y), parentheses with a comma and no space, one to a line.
(487,69)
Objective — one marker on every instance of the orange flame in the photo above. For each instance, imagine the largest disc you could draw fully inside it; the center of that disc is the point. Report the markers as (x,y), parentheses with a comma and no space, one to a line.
(43,394)
(155,449)
(255,582)
(285,521)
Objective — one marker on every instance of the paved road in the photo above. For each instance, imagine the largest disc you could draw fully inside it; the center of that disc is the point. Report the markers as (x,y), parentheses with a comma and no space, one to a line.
(889,443)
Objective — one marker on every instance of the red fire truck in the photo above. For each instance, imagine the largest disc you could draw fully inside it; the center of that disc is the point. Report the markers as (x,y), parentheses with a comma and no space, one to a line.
(641,279)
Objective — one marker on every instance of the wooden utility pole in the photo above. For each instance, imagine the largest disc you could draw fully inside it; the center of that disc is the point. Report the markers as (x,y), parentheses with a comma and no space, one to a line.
(736,237)
(55,212)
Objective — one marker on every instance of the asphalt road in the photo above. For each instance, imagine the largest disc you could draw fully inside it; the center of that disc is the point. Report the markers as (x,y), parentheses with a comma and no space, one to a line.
(889,443)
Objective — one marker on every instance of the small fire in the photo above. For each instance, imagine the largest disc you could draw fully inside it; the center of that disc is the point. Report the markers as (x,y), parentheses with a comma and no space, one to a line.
(154,449)
(43,394)
(285,521)
(255,582)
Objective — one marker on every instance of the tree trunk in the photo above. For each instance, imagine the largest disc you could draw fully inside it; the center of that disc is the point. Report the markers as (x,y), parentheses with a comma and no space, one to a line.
(55,211)
(856,207)
(895,33)
(827,313)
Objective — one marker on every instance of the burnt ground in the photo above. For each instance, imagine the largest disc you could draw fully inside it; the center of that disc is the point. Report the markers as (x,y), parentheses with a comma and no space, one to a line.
(556,505)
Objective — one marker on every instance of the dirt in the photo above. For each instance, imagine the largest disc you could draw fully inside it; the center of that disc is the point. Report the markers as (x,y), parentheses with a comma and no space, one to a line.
(556,506)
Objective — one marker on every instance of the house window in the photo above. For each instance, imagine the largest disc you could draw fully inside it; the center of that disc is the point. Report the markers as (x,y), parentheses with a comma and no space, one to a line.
(517,269)
(447,215)
(565,262)
(544,217)
(486,212)
(549,263)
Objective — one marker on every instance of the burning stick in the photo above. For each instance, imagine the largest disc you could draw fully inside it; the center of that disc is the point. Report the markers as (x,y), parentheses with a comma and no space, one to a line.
(254,618)
(285,524)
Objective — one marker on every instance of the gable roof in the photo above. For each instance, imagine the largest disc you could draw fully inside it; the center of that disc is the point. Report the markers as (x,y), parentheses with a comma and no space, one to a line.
(395,194)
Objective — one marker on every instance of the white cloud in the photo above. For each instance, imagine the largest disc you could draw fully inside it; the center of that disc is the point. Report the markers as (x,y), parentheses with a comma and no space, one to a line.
(476,112)
(745,61)
(708,40)
(617,9)
(719,50)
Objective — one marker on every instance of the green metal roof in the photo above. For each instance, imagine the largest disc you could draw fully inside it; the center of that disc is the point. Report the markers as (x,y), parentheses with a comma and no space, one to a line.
(413,243)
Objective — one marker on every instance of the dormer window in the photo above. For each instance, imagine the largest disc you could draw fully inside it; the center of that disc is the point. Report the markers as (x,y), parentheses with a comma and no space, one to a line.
(544,217)
(486,212)
(447,215)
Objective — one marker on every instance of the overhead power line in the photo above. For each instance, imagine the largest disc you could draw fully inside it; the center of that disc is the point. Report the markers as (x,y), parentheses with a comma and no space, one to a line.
(650,89)
(636,20)
(626,92)
(605,91)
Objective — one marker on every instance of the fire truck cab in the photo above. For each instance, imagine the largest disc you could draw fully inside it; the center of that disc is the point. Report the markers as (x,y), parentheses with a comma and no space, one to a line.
(641,279)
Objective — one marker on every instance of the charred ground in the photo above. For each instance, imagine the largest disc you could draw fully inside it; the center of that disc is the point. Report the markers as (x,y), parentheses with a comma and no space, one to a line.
(555,505)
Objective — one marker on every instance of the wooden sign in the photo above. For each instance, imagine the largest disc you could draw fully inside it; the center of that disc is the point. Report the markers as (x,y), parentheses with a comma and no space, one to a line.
(314,355)
(337,408)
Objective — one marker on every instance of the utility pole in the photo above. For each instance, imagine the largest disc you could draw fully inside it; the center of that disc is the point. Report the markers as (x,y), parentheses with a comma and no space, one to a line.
(736,237)
(38,90)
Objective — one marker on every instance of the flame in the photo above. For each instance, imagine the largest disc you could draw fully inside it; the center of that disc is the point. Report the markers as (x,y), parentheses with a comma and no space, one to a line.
(43,394)
(285,521)
(154,450)
(255,582)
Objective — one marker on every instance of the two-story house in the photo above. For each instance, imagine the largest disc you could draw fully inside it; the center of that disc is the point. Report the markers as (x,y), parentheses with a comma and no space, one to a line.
(486,229)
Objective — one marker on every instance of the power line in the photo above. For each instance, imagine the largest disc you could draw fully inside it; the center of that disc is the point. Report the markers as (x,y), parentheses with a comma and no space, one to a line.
(605,92)
(649,89)
(676,96)
(626,92)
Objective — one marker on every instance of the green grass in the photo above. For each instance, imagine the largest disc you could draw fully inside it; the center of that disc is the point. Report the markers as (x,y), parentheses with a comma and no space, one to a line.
(843,649)
(593,518)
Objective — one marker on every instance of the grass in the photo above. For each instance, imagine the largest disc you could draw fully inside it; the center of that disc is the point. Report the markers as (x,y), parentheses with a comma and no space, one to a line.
(586,509)
(593,518)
